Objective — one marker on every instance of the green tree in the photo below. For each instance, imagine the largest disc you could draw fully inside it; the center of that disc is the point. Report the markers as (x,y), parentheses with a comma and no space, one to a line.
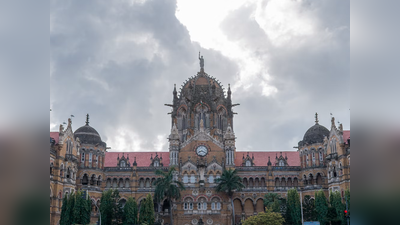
(167,187)
(308,208)
(293,206)
(147,211)
(272,201)
(81,209)
(130,212)
(321,207)
(65,214)
(109,207)
(338,207)
(265,218)
(67,210)
(228,183)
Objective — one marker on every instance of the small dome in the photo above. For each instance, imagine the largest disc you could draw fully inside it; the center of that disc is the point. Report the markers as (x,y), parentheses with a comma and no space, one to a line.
(315,134)
(88,135)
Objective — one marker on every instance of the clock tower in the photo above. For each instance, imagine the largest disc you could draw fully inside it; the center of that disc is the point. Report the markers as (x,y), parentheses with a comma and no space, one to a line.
(202,136)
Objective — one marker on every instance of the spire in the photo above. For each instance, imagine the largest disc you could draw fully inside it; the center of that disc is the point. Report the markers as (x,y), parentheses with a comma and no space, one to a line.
(134,162)
(229,91)
(87,119)
(174,92)
(316,118)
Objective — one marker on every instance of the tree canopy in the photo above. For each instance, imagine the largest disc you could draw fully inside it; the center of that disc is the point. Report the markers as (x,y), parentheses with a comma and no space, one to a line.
(265,218)
(228,183)
(130,214)
(168,187)
(321,207)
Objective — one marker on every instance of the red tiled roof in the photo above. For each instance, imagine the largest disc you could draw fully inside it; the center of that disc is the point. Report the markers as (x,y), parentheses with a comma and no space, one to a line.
(55,136)
(261,158)
(346,135)
(142,158)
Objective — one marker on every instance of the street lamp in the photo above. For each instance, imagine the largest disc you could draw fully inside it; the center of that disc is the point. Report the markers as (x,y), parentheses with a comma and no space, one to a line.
(98,210)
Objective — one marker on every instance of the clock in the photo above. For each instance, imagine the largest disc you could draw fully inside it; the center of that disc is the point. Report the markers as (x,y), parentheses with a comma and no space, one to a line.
(201,150)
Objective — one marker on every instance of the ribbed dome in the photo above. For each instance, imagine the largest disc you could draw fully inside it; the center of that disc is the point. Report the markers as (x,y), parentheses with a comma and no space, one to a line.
(315,134)
(88,135)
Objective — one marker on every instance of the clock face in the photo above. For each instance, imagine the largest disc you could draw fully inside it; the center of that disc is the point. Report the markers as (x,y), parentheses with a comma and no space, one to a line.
(201,150)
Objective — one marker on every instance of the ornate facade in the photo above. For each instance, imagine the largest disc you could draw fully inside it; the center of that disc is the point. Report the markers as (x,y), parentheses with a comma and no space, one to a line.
(202,144)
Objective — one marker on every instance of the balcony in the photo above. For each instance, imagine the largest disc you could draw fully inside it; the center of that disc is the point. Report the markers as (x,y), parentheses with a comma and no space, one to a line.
(313,187)
(71,157)
(281,188)
(117,169)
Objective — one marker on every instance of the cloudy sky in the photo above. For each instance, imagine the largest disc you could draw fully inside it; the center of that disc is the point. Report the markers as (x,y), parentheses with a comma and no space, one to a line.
(118,61)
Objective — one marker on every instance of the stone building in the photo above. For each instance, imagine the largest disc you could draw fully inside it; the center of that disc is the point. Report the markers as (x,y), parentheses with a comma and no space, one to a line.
(202,144)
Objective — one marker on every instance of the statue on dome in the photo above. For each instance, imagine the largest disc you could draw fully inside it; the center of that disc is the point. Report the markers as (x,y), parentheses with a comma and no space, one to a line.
(201,61)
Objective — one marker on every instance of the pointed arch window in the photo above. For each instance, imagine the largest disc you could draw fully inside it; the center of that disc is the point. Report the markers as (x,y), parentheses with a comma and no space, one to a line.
(211,179)
(281,163)
(185,178)
(248,163)
(156,163)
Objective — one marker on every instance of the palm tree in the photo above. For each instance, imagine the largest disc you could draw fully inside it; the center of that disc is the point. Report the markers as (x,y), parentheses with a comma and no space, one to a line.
(167,187)
(228,183)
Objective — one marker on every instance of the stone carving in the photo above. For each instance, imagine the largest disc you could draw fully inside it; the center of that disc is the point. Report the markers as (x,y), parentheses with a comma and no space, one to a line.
(201,61)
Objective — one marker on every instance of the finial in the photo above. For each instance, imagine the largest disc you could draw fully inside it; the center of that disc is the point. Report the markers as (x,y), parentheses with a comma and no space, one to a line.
(128,156)
(316,118)
(243,155)
(151,156)
(201,63)
(87,119)
(118,157)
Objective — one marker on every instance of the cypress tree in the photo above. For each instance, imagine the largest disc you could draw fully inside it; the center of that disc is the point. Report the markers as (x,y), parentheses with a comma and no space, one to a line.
(81,209)
(64,217)
(130,212)
(339,207)
(321,207)
(142,212)
(147,211)
(293,206)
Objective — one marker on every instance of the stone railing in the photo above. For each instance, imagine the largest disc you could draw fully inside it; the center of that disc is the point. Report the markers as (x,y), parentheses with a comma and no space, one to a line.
(117,169)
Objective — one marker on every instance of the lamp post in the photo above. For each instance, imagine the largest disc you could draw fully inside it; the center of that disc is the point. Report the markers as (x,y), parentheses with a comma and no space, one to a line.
(98,210)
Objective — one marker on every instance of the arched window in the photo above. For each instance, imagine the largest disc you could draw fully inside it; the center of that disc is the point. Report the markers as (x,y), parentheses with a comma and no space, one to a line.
(281,163)
(185,178)
(90,157)
(156,163)
(122,163)
(210,179)
(82,157)
(192,179)
(248,163)
(320,157)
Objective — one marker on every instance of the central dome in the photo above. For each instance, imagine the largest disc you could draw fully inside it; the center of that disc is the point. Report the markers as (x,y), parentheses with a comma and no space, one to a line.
(88,135)
(315,134)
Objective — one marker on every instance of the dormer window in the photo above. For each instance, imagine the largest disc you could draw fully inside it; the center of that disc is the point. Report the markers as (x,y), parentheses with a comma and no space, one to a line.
(122,163)
(156,163)
(248,163)
(281,163)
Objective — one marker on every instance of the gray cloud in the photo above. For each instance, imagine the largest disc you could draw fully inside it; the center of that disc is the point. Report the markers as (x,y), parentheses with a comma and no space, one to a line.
(118,62)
